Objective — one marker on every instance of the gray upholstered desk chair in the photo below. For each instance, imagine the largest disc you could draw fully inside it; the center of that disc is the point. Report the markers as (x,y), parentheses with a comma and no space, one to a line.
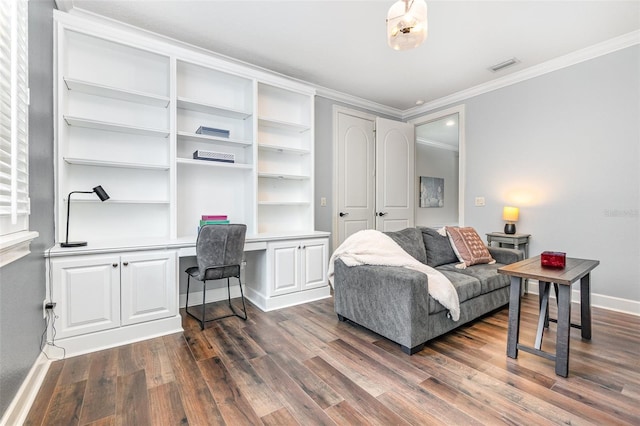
(219,251)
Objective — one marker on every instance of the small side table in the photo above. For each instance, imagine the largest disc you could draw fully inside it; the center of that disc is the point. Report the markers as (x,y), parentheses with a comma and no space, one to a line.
(575,269)
(518,241)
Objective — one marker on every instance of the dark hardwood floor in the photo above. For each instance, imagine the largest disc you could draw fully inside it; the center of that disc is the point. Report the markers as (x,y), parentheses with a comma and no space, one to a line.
(300,365)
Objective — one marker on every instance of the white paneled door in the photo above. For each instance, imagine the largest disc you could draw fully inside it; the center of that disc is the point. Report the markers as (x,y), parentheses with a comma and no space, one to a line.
(356,177)
(375,174)
(395,175)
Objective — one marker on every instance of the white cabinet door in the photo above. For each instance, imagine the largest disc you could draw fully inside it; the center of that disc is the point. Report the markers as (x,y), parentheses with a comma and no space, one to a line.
(87,292)
(285,267)
(298,265)
(148,286)
(314,263)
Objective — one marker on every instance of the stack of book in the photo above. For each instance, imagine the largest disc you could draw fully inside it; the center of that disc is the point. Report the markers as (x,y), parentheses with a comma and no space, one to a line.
(212,220)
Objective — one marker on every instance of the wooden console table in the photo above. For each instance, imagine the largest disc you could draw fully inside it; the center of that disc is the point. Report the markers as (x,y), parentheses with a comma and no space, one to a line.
(575,269)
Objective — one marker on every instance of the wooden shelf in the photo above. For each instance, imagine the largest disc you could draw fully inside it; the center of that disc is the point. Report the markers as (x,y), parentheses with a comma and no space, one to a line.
(283,125)
(119,164)
(220,164)
(116,93)
(282,176)
(195,137)
(192,105)
(282,149)
(115,127)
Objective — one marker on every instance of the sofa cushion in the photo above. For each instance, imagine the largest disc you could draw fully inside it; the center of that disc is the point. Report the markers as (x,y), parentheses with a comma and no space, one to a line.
(486,274)
(466,285)
(438,248)
(468,246)
(410,239)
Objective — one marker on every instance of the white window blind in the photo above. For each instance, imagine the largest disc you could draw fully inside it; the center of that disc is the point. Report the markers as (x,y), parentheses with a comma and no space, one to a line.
(14,129)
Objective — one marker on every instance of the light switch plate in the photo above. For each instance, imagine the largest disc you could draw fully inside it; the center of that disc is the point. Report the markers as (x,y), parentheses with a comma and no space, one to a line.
(479,201)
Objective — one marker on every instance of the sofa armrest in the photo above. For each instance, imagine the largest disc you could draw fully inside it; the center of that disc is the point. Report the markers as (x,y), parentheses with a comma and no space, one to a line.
(506,255)
(391,301)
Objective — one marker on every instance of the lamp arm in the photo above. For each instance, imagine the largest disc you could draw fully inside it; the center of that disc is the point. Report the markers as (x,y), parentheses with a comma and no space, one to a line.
(66,237)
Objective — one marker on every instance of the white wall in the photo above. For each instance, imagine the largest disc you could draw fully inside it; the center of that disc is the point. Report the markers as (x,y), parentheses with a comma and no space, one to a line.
(565,148)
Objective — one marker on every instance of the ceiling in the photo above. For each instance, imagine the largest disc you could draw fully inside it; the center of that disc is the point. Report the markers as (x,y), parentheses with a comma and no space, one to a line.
(341,45)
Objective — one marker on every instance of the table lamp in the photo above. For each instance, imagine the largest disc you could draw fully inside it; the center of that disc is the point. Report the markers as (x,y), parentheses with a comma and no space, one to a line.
(101,193)
(510,215)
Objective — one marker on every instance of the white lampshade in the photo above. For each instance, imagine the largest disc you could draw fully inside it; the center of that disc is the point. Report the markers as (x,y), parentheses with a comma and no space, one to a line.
(407,24)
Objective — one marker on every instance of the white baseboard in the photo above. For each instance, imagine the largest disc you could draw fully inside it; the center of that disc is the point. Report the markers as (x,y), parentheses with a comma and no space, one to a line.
(611,303)
(105,339)
(19,408)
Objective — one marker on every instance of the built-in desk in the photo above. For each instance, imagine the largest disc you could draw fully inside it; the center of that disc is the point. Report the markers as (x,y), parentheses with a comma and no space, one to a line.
(114,292)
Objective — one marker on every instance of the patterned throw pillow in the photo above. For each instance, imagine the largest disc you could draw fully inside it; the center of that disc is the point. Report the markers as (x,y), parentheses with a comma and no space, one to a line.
(468,246)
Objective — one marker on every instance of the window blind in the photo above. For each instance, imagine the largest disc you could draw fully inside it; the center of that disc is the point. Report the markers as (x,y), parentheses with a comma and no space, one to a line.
(14,117)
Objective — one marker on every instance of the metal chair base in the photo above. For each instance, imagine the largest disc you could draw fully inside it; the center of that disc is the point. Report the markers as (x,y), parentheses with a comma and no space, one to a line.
(202,320)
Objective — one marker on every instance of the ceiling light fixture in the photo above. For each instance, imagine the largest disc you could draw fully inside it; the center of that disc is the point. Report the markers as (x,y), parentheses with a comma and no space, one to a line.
(407,24)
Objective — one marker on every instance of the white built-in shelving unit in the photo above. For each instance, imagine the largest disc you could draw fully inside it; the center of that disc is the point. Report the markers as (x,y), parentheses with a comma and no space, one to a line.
(128,109)
(128,115)
(114,130)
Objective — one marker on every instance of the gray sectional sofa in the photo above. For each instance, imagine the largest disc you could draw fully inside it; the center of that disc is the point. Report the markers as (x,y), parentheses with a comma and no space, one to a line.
(394,301)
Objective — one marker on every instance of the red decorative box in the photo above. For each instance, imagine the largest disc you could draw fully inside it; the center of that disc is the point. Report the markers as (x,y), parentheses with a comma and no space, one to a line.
(553,259)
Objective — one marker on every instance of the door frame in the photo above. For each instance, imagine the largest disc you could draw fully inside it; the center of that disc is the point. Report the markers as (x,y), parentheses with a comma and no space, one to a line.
(458,109)
(334,196)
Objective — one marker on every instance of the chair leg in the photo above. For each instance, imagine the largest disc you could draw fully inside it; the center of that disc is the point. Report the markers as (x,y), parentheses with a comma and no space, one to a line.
(244,308)
(204,296)
(186,305)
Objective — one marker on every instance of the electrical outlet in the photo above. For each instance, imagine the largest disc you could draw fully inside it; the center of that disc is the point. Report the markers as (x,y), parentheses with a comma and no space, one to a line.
(323,201)
(46,306)
(479,201)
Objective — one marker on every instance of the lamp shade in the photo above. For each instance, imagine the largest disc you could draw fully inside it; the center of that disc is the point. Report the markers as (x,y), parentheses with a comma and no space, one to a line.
(510,214)
(407,24)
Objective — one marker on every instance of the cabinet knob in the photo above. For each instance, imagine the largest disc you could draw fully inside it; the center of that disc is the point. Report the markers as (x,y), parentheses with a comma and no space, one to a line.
(115,265)
(304,247)
(125,263)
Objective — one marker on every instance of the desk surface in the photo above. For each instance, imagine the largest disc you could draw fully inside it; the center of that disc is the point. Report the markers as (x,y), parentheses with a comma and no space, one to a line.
(531,268)
(114,246)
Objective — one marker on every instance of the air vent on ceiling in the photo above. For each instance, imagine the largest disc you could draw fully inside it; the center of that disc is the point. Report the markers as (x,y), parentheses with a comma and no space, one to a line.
(506,64)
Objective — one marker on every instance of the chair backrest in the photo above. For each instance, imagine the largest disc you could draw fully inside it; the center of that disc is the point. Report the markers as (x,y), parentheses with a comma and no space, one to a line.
(219,245)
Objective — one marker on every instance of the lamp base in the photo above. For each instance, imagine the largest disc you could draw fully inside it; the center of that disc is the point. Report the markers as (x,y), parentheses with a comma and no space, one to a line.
(510,228)
(74,244)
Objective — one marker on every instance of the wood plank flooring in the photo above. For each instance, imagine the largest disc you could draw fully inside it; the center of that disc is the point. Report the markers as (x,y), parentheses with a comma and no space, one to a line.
(300,365)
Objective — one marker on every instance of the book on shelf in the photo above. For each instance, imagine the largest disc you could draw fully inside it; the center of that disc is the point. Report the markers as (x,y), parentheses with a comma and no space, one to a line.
(214,217)
(212,131)
(213,222)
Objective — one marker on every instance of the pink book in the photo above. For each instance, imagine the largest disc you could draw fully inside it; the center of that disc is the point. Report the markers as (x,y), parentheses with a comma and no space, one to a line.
(214,217)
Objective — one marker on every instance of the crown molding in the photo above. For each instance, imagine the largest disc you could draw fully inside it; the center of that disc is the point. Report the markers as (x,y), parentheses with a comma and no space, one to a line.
(358,102)
(573,58)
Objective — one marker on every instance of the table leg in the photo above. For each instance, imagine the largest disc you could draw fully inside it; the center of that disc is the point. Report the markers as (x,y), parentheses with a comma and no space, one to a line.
(543,320)
(563,331)
(514,317)
(585,306)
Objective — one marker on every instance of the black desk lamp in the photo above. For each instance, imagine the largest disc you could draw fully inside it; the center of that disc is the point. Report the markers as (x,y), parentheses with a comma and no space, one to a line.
(101,193)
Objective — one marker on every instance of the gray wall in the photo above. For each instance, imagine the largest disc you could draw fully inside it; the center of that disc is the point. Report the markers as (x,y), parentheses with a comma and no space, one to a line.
(565,148)
(442,163)
(22,283)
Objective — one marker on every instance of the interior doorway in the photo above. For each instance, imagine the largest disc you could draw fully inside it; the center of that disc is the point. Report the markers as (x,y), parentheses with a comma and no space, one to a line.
(439,168)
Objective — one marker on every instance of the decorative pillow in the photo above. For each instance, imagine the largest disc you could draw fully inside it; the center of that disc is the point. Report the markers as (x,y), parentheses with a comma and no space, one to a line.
(468,246)
(439,250)
(410,239)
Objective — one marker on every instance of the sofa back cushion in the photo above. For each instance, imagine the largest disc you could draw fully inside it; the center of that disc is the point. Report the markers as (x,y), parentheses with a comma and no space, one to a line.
(438,248)
(410,239)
